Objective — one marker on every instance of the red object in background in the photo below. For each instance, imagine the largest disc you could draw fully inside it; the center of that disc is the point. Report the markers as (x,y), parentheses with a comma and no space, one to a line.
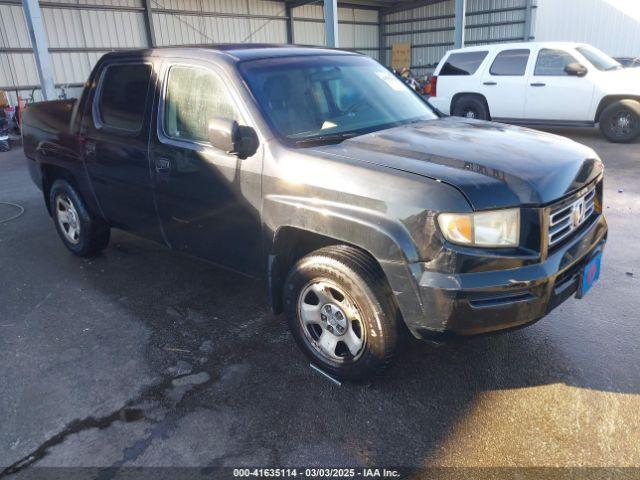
(433,84)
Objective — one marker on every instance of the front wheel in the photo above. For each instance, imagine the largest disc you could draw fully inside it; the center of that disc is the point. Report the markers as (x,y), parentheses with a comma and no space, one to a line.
(5,145)
(620,121)
(341,312)
(83,234)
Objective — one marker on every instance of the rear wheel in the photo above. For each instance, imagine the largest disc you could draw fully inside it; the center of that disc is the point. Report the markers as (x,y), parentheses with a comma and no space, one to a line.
(81,233)
(620,121)
(341,312)
(471,106)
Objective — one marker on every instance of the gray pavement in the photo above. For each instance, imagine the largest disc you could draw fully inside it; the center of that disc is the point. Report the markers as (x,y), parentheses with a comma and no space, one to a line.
(145,357)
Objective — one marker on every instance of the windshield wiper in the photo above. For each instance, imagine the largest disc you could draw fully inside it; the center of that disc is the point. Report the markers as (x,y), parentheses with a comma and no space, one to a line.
(325,139)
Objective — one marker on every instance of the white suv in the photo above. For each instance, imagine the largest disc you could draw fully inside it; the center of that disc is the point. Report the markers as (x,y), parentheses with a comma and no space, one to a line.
(540,83)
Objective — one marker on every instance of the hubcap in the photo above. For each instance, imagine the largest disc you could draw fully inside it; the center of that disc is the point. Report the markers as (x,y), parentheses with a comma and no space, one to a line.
(470,114)
(622,123)
(331,321)
(334,319)
(68,218)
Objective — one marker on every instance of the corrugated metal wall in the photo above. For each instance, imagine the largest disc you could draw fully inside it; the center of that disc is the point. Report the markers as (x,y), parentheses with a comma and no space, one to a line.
(610,25)
(17,66)
(80,31)
(358,28)
(193,22)
(430,29)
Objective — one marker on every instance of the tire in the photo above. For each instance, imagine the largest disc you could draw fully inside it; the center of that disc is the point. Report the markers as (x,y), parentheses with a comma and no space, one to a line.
(83,234)
(471,106)
(5,145)
(361,304)
(620,121)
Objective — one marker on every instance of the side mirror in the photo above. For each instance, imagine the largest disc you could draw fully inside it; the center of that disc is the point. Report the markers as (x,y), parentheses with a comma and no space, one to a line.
(230,137)
(576,70)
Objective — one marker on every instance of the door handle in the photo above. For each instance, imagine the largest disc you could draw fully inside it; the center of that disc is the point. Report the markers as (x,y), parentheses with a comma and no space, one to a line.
(163,164)
(490,83)
(89,149)
(538,84)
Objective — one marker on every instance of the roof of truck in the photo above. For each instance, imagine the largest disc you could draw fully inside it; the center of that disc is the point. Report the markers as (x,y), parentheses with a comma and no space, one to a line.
(236,51)
(503,46)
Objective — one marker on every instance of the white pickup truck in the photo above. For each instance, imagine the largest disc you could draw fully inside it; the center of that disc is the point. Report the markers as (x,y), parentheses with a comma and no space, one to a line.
(540,83)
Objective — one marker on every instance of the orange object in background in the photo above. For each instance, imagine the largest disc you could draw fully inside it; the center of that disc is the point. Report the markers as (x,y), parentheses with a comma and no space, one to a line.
(21,106)
(4,100)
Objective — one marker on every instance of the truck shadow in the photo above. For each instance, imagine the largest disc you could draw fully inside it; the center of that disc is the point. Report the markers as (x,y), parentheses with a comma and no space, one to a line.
(259,377)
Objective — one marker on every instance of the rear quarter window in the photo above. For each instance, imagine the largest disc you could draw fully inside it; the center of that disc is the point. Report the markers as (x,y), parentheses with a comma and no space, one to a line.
(122,96)
(464,63)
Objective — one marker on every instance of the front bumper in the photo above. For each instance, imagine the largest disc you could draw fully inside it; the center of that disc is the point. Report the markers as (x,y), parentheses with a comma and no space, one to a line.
(488,301)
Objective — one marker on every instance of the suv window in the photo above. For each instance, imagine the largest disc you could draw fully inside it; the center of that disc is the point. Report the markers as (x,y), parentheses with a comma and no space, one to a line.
(193,97)
(552,62)
(510,62)
(123,96)
(465,63)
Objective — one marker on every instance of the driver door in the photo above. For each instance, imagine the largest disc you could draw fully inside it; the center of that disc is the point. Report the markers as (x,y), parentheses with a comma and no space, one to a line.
(554,95)
(208,200)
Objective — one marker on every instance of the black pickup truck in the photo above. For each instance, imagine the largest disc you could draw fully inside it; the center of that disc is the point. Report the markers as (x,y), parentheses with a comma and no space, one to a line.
(367,212)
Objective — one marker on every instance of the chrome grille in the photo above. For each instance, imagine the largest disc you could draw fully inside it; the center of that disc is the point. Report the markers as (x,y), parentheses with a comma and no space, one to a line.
(567,217)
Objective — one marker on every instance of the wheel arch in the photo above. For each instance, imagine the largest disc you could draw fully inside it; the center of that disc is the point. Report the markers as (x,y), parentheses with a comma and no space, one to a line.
(303,228)
(51,173)
(456,98)
(610,99)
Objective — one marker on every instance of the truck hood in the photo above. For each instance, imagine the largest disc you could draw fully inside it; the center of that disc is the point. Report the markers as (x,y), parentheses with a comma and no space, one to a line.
(492,164)
(625,81)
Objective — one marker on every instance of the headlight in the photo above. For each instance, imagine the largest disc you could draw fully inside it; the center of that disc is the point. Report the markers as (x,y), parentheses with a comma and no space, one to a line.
(498,228)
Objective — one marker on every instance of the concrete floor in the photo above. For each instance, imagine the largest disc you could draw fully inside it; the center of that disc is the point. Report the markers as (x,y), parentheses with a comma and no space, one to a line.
(89,350)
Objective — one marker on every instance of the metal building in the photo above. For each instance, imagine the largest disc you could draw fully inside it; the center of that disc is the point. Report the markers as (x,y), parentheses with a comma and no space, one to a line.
(79,32)
(613,26)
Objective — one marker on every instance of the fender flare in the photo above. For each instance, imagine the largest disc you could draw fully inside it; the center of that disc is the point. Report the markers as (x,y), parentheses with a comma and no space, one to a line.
(385,239)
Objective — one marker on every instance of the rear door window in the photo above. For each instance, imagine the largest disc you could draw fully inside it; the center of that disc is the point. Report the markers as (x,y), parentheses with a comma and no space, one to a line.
(464,63)
(122,96)
(510,62)
(551,62)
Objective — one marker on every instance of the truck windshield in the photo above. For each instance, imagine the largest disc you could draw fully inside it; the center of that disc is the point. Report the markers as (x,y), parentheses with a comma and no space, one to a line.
(326,99)
(599,59)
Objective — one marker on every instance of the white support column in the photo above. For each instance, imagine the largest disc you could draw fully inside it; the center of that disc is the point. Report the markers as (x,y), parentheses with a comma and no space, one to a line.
(38,36)
(331,23)
(527,20)
(459,23)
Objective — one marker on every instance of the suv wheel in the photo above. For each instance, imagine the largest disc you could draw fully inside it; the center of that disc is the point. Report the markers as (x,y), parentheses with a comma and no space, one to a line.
(341,312)
(471,106)
(81,233)
(620,121)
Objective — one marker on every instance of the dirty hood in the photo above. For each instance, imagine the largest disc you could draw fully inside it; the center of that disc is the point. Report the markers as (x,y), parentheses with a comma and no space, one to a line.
(492,164)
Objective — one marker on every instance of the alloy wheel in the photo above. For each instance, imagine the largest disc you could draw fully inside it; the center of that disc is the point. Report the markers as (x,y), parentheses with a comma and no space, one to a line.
(68,219)
(470,113)
(622,123)
(331,321)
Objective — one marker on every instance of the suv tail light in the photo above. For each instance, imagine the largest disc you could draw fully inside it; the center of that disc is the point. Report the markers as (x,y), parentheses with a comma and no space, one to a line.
(433,83)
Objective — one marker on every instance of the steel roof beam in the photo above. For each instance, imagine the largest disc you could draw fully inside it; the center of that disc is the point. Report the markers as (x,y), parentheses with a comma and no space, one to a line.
(35,24)
(401,7)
